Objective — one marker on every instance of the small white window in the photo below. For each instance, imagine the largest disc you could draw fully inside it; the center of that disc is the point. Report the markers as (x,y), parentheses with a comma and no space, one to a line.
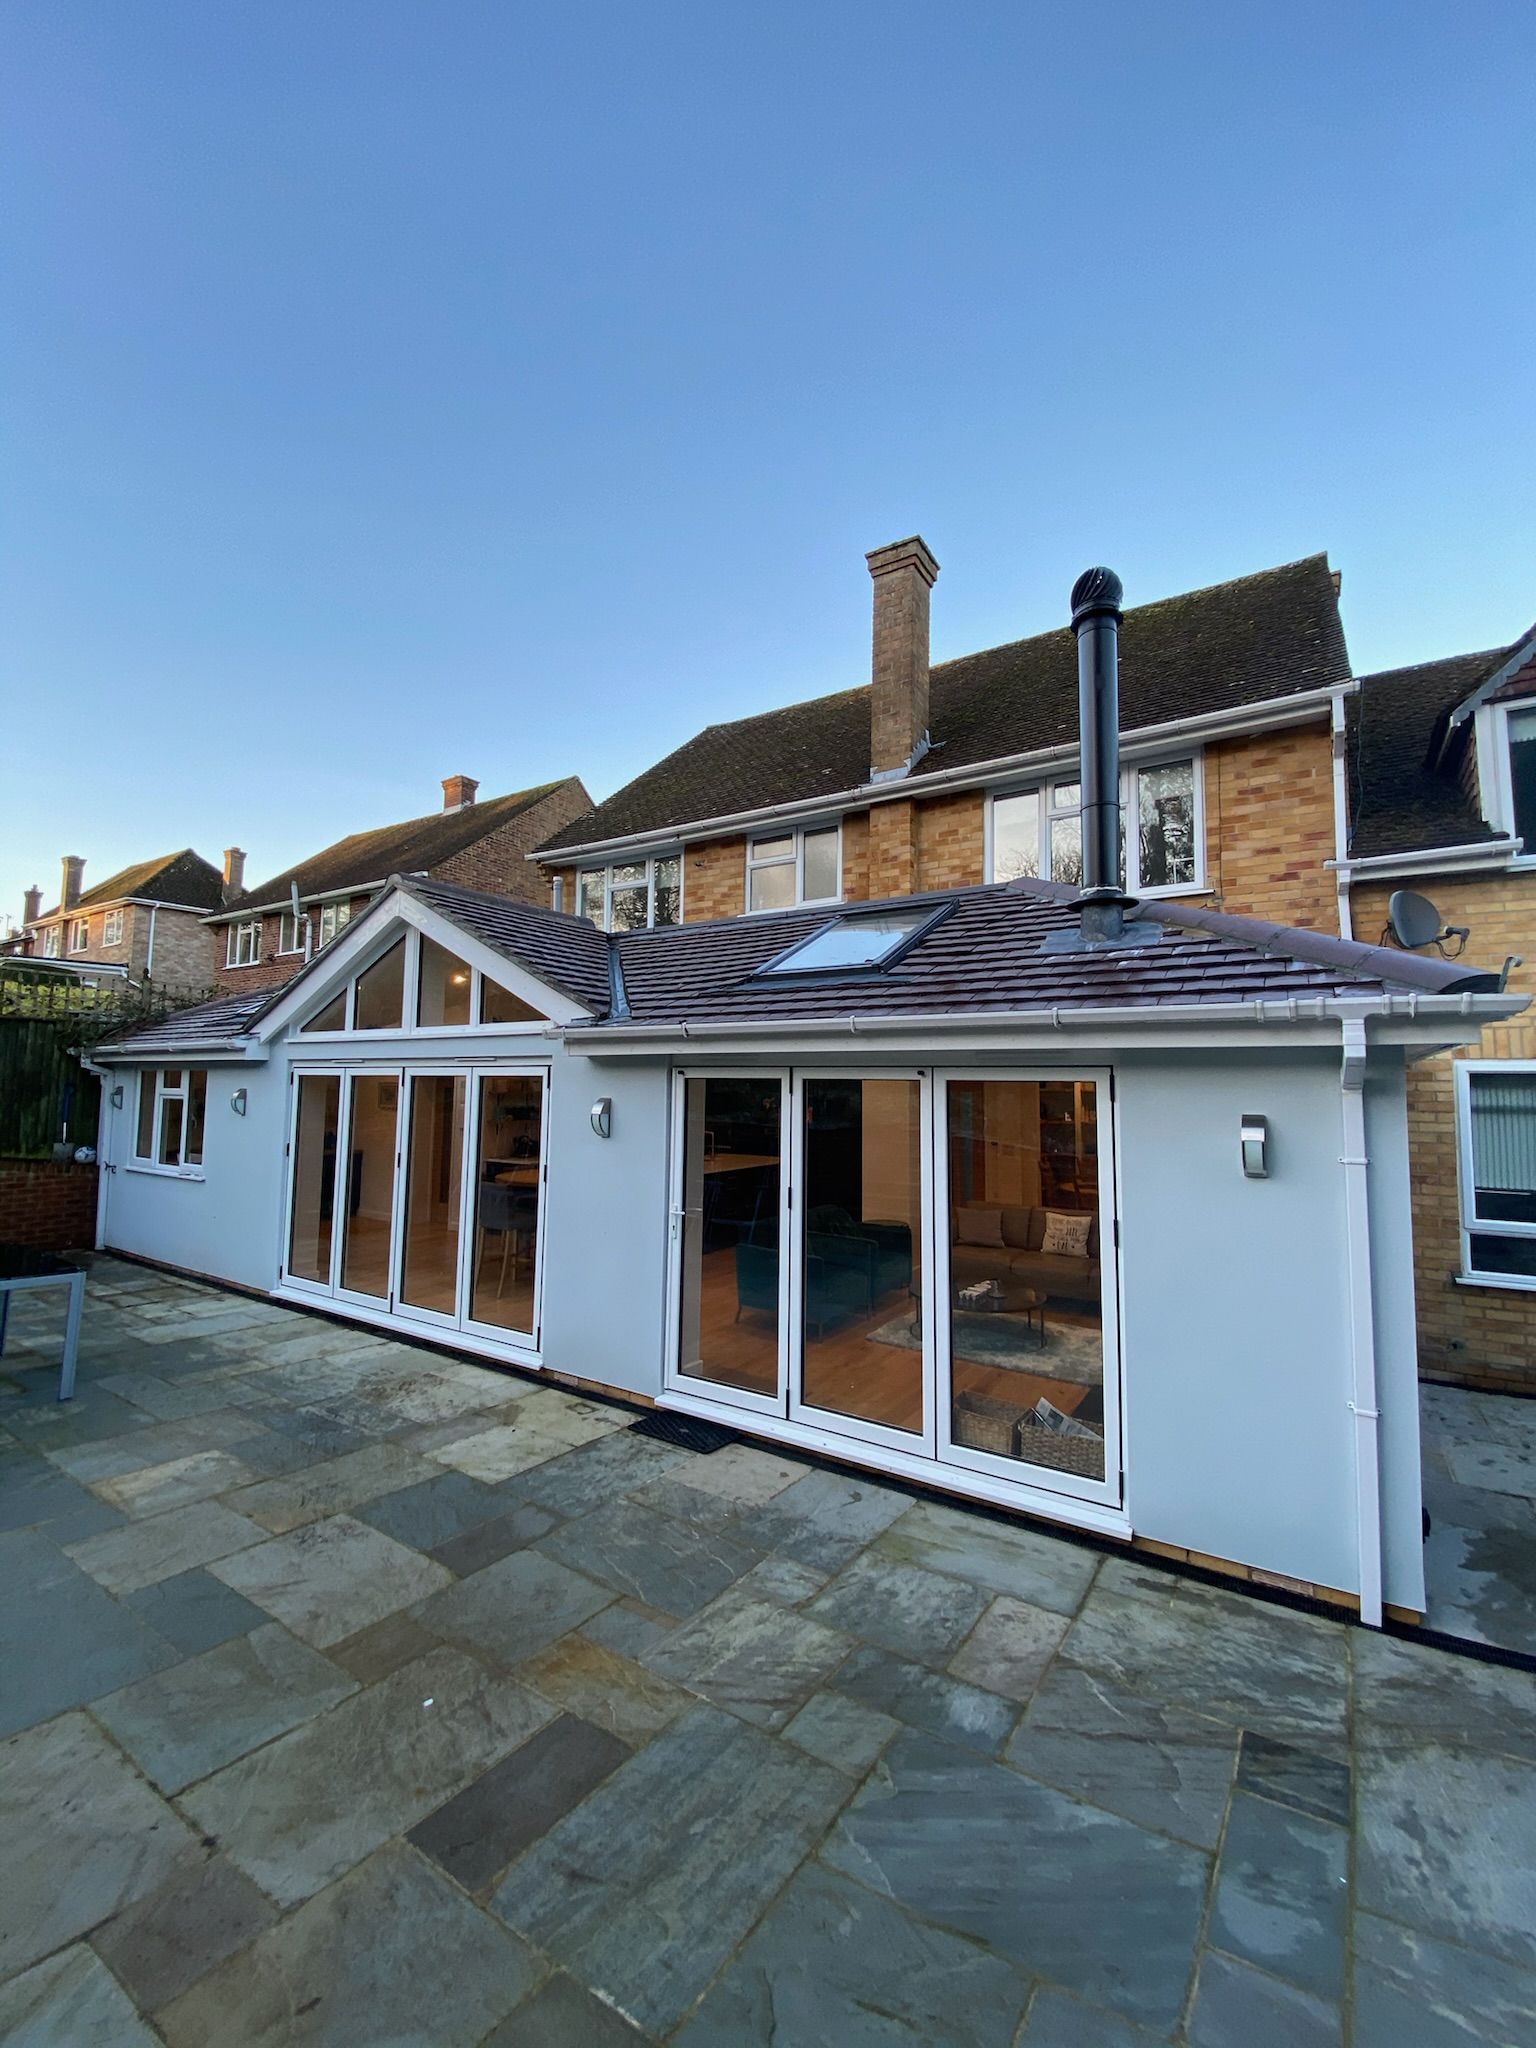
(1496,1130)
(173,1109)
(332,918)
(242,948)
(290,932)
(79,935)
(1039,831)
(112,928)
(786,868)
(51,943)
(629,896)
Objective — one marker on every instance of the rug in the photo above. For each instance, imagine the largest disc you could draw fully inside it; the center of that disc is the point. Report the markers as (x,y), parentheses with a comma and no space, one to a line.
(1006,1342)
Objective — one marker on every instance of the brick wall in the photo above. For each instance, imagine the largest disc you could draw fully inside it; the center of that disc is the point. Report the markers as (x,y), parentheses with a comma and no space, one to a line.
(1269,826)
(46,1206)
(1480,1336)
(951,841)
(498,861)
(184,954)
(714,879)
(893,849)
(273,968)
(858,884)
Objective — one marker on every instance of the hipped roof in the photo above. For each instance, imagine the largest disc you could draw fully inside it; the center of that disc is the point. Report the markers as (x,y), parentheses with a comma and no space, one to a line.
(184,880)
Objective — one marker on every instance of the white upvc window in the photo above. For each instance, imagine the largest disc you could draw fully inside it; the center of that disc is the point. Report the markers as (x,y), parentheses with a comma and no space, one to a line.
(290,932)
(79,934)
(242,947)
(1038,831)
(112,928)
(52,942)
(1496,1170)
(333,918)
(804,865)
(628,896)
(1506,765)
(172,1111)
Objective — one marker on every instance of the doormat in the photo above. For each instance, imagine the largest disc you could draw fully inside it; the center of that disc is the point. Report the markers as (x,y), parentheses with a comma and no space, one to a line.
(1007,1343)
(687,1432)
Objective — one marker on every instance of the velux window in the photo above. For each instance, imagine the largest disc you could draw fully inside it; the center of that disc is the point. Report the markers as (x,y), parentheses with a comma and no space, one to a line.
(1039,831)
(786,868)
(1496,1105)
(173,1107)
(243,946)
(854,945)
(630,895)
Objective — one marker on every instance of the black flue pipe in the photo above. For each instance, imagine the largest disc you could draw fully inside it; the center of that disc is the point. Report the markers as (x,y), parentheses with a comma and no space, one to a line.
(1096,617)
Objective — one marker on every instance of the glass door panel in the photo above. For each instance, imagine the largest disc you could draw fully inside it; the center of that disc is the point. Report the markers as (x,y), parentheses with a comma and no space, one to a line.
(730,1282)
(860,1247)
(367,1229)
(434,1166)
(508,1183)
(313,1188)
(1025,1313)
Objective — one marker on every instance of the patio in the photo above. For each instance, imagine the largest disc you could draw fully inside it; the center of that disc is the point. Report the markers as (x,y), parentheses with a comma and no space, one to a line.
(353,1693)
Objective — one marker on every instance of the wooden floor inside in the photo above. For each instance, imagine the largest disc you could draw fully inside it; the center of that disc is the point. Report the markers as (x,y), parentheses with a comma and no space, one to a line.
(503,1283)
(846,1370)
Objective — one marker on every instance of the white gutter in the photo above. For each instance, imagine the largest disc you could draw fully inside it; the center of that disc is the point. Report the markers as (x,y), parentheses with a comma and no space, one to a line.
(1341,810)
(1481,853)
(1362,1321)
(1280,711)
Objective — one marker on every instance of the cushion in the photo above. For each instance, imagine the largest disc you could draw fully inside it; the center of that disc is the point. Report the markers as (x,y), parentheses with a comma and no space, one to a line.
(1022,1228)
(1065,1232)
(978,1226)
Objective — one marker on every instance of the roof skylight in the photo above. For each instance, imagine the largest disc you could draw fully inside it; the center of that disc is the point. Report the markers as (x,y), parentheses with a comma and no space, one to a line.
(853,944)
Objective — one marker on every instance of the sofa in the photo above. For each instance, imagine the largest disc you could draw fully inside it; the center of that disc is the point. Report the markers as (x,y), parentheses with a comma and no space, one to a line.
(849,1267)
(1019,1258)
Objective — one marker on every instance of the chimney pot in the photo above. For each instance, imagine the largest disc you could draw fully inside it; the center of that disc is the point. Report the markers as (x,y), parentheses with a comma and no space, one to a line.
(69,884)
(234,872)
(32,905)
(458,791)
(903,574)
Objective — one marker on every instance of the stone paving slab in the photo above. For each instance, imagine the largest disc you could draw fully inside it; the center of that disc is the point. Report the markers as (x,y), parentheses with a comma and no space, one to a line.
(63,1641)
(70,2001)
(330,1579)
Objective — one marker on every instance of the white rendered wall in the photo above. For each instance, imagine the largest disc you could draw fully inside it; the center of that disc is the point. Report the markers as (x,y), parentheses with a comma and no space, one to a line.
(1397,1353)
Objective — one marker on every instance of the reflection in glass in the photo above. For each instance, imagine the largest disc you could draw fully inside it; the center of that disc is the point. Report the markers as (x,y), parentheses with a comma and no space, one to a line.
(820,860)
(1166,824)
(381,992)
(444,996)
(862,1247)
(197,1116)
(669,890)
(498,1005)
(144,1144)
(730,1225)
(508,1167)
(370,1183)
(314,1177)
(433,1171)
(1026,1330)
(332,1018)
(1016,836)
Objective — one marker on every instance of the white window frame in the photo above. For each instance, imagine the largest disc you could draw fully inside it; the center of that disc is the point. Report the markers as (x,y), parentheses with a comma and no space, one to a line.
(1471,1223)
(1496,788)
(798,833)
(534,1027)
(79,935)
(1130,810)
(334,919)
(606,872)
(112,928)
(182,1168)
(289,927)
(53,942)
(242,944)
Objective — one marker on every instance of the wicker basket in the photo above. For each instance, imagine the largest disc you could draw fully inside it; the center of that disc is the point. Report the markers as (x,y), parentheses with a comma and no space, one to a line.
(983,1424)
(1083,1455)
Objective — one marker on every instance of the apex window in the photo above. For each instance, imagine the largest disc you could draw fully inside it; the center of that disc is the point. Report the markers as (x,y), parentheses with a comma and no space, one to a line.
(628,896)
(802,866)
(1038,831)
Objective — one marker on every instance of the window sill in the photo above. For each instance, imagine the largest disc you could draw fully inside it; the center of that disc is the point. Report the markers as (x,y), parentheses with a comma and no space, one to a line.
(164,1172)
(240,966)
(1502,1283)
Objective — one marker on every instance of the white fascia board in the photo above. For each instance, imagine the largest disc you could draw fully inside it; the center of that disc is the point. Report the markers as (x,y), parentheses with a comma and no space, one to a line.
(1305,708)
(1491,854)
(1290,1021)
(213,1052)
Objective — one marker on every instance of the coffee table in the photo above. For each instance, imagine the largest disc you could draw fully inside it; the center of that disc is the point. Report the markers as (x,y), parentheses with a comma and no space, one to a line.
(1014,1300)
(22,1267)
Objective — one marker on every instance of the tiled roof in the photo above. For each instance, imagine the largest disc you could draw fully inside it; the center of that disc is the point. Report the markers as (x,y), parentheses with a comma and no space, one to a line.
(569,953)
(1398,804)
(1233,644)
(985,955)
(183,878)
(415,847)
(216,1023)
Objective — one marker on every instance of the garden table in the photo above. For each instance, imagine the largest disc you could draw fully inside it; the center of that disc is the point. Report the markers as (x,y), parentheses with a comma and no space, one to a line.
(21,1267)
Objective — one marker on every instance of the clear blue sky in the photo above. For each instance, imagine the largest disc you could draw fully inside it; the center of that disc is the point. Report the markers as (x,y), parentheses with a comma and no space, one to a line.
(397,389)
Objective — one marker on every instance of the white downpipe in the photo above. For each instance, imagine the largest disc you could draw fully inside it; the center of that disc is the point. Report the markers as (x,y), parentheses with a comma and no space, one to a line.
(1362,1320)
(149,951)
(1340,730)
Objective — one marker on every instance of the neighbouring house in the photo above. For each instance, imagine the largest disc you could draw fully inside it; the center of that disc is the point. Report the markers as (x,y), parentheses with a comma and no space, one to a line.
(1443,802)
(983,1187)
(1232,701)
(145,921)
(262,936)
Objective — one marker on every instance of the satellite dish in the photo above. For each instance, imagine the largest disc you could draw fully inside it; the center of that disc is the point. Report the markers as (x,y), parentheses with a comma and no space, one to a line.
(1414,922)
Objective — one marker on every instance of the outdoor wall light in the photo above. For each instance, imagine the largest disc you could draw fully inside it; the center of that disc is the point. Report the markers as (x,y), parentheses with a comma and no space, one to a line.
(1255,1143)
(602,1116)
(117,1096)
(237,1102)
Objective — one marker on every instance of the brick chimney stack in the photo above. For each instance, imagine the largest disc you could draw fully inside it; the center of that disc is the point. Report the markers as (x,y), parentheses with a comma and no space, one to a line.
(234,872)
(32,905)
(458,791)
(903,575)
(69,884)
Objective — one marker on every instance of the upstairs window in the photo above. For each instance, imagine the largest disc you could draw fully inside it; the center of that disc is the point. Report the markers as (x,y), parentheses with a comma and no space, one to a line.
(242,948)
(1038,832)
(786,868)
(333,917)
(79,934)
(1522,774)
(112,928)
(1496,1122)
(290,932)
(628,896)
(52,942)
(173,1108)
